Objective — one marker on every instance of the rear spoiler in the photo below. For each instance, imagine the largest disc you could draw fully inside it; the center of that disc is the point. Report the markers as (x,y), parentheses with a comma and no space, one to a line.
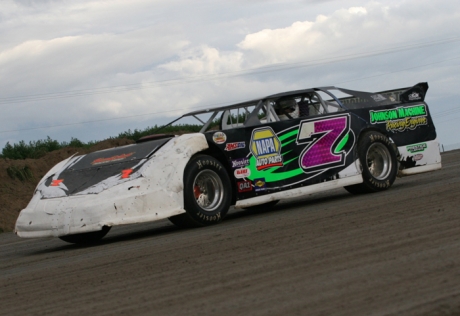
(416,93)
(403,95)
(400,95)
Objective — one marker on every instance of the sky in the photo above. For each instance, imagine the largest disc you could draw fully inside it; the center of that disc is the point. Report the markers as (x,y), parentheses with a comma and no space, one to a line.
(93,69)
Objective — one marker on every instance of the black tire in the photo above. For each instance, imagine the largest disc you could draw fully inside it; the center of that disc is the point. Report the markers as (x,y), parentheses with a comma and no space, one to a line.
(262,207)
(207,193)
(379,164)
(86,238)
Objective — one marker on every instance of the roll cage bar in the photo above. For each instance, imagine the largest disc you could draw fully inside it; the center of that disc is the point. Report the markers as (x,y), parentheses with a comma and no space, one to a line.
(321,100)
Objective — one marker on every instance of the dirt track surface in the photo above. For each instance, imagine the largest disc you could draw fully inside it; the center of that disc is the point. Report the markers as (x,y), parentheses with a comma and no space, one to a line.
(390,253)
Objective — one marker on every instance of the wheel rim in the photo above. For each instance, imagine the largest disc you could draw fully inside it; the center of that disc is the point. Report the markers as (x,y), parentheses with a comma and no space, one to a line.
(208,190)
(379,161)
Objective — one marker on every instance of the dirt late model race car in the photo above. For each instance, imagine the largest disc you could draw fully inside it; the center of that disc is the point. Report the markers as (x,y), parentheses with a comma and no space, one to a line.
(250,154)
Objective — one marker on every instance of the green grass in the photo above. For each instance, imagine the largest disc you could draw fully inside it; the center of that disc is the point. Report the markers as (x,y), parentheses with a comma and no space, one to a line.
(39,148)
(20,173)
(136,134)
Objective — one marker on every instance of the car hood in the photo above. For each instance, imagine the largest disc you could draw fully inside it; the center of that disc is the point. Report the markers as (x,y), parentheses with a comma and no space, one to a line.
(98,171)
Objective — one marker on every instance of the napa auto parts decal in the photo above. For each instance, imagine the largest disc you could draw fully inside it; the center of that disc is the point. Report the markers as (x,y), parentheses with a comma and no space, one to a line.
(400,119)
(266,147)
(313,146)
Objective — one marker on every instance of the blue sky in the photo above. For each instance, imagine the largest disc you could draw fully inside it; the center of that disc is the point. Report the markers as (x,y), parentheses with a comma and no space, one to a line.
(93,69)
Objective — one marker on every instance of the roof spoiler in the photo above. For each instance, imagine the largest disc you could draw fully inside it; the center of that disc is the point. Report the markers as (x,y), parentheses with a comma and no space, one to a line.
(416,93)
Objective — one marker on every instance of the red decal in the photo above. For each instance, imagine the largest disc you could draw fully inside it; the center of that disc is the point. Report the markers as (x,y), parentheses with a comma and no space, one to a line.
(56,183)
(233,146)
(125,173)
(111,159)
(244,186)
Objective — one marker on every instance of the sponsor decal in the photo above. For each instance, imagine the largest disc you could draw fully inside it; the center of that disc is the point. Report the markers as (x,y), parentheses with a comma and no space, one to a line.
(400,119)
(240,162)
(99,161)
(242,173)
(233,146)
(259,184)
(55,183)
(125,173)
(416,148)
(414,96)
(417,157)
(378,97)
(219,137)
(324,141)
(266,148)
(244,186)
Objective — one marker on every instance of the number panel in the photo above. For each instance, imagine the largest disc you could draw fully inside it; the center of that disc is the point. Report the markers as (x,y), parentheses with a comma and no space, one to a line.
(321,136)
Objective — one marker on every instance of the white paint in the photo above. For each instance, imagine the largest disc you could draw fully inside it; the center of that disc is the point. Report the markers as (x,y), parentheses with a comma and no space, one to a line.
(242,173)
(306,130)
(430,161)
(57,191)
(302,191)
(156,195)
(352,170)
(420,169)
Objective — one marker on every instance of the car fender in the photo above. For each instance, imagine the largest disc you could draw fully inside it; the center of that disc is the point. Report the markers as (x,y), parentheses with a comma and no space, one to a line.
(166,167)
(157,194)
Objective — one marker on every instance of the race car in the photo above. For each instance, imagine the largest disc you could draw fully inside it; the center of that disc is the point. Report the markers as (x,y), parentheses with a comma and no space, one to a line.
(249,155)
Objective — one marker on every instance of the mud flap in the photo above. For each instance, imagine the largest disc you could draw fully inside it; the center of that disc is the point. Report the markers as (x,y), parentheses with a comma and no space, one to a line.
(419,158)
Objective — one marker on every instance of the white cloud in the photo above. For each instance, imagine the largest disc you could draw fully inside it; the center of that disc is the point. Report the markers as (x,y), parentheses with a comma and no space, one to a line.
(205,60)
(158,51)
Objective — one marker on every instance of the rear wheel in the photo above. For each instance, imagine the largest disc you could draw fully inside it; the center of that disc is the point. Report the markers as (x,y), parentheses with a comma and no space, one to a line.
(377,156)
(207,194)
(86,238)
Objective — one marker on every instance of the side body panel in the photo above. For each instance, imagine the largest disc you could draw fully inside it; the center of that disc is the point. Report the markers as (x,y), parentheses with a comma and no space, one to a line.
(313,153)
(287,155)
(411,128)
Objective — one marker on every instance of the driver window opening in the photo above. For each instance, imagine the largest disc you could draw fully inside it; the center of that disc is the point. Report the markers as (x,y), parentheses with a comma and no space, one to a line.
(305,105)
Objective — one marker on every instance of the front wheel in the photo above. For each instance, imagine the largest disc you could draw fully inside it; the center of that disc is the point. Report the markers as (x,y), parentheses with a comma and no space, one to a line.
(207,194)
(377,156)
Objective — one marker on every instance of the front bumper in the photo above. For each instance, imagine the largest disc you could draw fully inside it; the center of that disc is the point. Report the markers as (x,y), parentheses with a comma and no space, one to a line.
(128,203)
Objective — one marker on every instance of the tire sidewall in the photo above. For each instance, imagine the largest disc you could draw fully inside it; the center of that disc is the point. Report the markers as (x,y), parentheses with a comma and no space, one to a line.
(369,180)
(195,166)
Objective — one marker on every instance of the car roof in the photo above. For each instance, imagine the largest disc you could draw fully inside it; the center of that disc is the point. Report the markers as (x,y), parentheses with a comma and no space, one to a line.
(249,102)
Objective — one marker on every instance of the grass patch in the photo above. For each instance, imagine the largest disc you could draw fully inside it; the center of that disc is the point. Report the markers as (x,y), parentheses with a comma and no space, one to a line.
(39,148)
(20,173)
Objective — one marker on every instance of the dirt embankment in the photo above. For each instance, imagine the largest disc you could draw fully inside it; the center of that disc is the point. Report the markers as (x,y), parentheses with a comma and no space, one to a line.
(15,193)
